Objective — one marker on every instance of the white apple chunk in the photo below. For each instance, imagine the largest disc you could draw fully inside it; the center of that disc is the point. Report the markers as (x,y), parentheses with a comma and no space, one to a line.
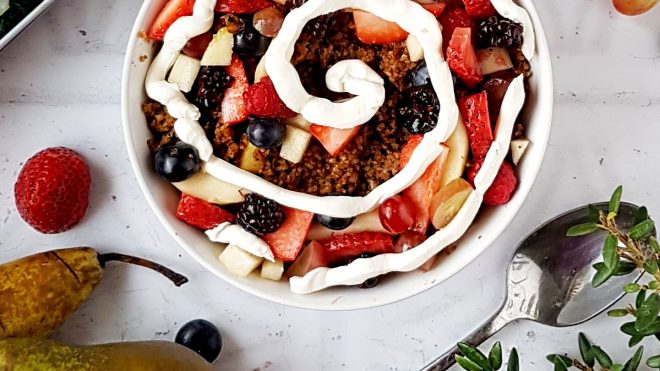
(367,222)
(459,147)
(184,72)
(298,121)
(260,71)
(295,144)
(415,50)
(272,270)
(220,49)
(210,189)
(249,161)
(239,261)
(493,60)
(518,148)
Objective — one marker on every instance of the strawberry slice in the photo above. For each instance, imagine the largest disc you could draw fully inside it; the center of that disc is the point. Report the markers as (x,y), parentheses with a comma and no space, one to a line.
(287,241)
(233,104)
(479,9)
(340,249)
(241,6)
(312,257)
(474,109)
(201,214)
(462,59)
(408,149)
(450,19)
(173,10)
(435,8)
(261,100)
(371,29)
(333,140)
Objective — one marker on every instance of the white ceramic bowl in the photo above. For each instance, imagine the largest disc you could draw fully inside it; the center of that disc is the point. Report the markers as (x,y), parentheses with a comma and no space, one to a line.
(163,197)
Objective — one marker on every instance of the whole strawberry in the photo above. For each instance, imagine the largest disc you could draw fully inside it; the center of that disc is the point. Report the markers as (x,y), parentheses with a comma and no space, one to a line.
(52,190)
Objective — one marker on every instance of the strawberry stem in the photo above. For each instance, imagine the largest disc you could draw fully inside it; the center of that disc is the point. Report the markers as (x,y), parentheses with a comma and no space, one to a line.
(176,278)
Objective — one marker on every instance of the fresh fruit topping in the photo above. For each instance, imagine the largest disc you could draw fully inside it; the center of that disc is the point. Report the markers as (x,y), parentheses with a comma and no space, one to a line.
(196,46)
(462,58)
(266,133)
(272,270)
(474,109)
(219,50)
(238,261)
(371,29)
(233,104)
(201,214)
(367,222)
(448,202)
(261,100)
(435,8)
(248,42)
(333,140)
(500,32)
(295,144)
(496,88)
(397,213)
(288,239)
(407,240)
(459,147)
(419,76)
(312,257)
(260,71)
(176,162)
(451,19)
(173,10)
(52,190)
(259,215)
(213,82)
(493,60)
(184,72)
(479,9)
(241,6)
(319,26)
(210,189)
(370,283)
(408,149)
(268,21)
(251,160)
(518,148)
(502,189)
(634,7)
(342,248)
(336,224)
(418,110)
(415,50)
(202,337)
(428,265)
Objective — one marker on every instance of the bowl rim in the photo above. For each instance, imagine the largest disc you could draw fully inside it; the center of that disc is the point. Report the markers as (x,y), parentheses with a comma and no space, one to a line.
(541,142)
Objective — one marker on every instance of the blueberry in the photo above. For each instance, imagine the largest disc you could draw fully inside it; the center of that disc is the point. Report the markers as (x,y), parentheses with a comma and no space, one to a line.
(370,283)
(419,75)
(177,162)
(202,337)
(266,133)
(336,224)
(248,42)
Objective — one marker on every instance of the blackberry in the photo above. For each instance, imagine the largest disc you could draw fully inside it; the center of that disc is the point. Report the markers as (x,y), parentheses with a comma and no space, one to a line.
(212,83)
(500,32)
(418,110)
(319,26)
(259,215)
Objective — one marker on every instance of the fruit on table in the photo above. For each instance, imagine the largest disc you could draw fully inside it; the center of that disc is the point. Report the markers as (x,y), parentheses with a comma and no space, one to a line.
(493,60)
(462,59)
(397,213)
(196,47)
(210,189)
(287,240)
(518,148)
(201,214)
(176,162)
(38,292)
(272,270)
(435,8)
(248,42)
(418,110)
(266,133)
(459,147)
(298,121)
(415,50)
(173,10)
(448,202)
(241,6)
(238,261)
(233,106)
(367,222)
(184,72)
(249,159)
(332,139)
(634,7)
(500,32)
(260,70)
(419,75)
(268,21)
(336,224)
(261,100)
(212,83)
(496,88)
(503,187)
(202,337)
(43,354)
(479,9)
(312,257)
(450,19)
(52,190)
(219,50)
(371,29)
(260,215)
(474,109)
(340,249)
(407,240)
(295,144)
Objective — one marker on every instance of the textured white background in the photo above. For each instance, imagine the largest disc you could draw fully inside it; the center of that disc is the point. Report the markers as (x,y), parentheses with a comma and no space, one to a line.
(59,85)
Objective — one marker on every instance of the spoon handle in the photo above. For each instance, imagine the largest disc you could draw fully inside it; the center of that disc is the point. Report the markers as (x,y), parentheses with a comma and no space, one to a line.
(488,329)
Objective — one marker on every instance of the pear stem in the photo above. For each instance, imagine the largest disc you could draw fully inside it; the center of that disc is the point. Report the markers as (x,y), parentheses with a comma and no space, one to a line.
(176,278)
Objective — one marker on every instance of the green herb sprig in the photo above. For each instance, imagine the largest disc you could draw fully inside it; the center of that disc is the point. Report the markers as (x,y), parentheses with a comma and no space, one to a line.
(472,359)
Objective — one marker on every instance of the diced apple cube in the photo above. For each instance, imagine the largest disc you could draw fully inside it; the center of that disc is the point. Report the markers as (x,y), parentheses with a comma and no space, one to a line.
(184,72)
(272,270)
(260,71)
(299,121)
(295,144)
(518,148)
(415,50)
(239,261)
(210,189)
(249,160)
(492,60)
(220,49)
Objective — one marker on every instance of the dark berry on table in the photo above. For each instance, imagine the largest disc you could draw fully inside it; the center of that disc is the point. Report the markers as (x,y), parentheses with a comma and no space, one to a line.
(266,133)
(370,283)
(336,224)
(418,110)
(248,42)
(176,162)
(259,215)
(500,32)
(419,75)
(202,337)
(212,83)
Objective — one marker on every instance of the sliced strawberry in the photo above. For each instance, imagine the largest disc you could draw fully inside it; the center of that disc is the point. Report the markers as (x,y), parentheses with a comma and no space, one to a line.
(503,187)
(201,214)
(479,9)
(197,45)
(287,241)
(173,10)
(241,6)
(261,100)
(371,29)
(333,140)
(450,19)
(435,8)
(233,105)
(339,249)
(462,59)
(474,109)
(408,149)
(312,257)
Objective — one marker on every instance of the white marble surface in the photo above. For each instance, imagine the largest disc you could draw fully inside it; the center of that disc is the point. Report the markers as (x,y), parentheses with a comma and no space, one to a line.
(59,85)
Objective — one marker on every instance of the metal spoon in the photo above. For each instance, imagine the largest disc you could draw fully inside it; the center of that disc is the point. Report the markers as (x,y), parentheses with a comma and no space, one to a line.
(549,280)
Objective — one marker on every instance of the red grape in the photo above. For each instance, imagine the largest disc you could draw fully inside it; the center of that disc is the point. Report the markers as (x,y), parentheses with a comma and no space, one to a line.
(397,214)
(197,45)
